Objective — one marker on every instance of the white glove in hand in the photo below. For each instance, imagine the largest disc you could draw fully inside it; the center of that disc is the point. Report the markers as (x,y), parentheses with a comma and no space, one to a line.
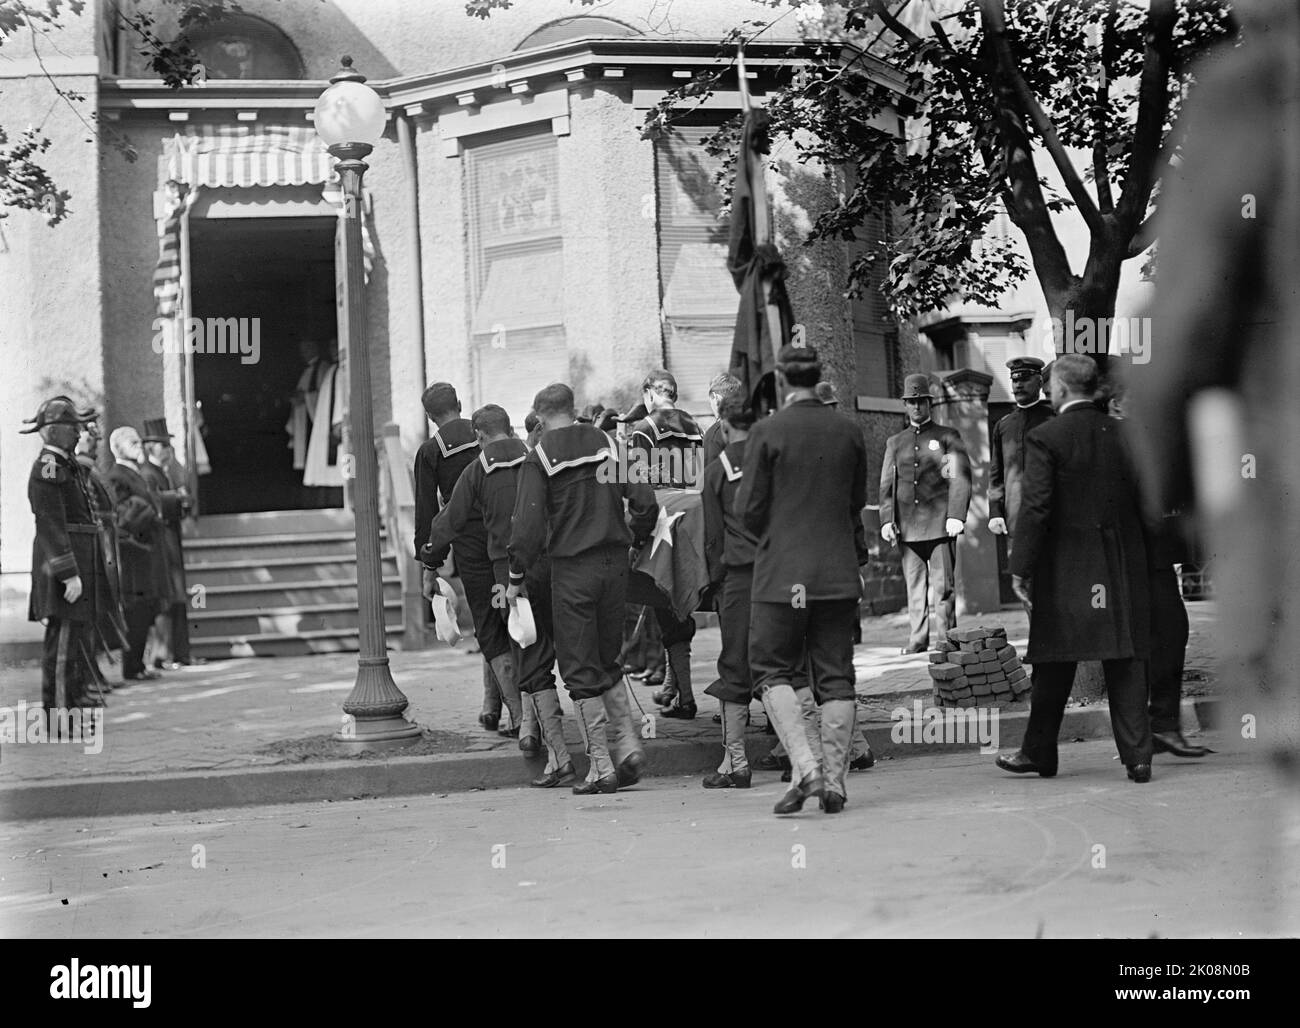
(890,532)
(998,526)
(955,527)
(72,589)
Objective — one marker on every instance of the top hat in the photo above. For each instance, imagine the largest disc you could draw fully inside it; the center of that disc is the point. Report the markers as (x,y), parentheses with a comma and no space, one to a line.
(155,431)
(826,393)
(1031,364)
(916,387)
(58,410)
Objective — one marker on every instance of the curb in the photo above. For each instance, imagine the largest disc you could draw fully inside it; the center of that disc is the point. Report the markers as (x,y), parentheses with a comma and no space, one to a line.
(188,791)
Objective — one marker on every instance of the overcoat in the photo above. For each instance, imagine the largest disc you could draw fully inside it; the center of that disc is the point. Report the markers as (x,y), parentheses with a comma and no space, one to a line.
(1081,540)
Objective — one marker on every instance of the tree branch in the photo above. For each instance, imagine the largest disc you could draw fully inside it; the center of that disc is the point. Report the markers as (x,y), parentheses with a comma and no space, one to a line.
(995,30)
(1153,109)
(1100,141)
(1143,236)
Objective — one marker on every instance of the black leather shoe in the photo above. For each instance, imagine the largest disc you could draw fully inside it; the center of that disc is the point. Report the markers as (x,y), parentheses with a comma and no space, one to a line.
(864,762)
(770,762)
(685,713)
(629,772)
(1173,742)
(734,780)
(530,745)
(563,776)
(793,801)
(489,721)
(832,802)
(607,784)
(907,651)
(1140,773)
(664,697)
(1019,764)
(509,733)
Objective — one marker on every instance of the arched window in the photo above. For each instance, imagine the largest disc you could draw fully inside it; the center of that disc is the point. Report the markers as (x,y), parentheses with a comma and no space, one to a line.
(240,46)
(580,26)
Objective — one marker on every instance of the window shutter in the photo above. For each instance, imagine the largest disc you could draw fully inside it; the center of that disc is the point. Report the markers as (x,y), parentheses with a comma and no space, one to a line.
(516,273)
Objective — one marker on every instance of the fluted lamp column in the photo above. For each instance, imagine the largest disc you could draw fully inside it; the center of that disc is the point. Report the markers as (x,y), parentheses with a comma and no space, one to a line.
(350,119)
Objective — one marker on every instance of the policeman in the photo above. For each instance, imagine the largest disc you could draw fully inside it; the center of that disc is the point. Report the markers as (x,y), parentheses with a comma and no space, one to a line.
(438,464)
(729,553)
(109,626)
(486,491)
(803,490)
(925,486)
(69,579)
(668,445)
(1007,446)
(565,506)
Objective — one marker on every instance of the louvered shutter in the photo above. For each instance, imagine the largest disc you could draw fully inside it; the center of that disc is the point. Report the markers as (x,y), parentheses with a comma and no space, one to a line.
(516,272)
(698,299)
(875,336)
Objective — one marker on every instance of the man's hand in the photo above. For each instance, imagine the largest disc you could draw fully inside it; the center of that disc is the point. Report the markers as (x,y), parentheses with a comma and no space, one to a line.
(998,526)
(513,592)
(1024,590)
(428,583)
(72,589)
(955,527)
(890,531)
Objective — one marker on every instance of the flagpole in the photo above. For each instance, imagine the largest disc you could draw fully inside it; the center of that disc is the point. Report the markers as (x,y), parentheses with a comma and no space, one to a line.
(762,221)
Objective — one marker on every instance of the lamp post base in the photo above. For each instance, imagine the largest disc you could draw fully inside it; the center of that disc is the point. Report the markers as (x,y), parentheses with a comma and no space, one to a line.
(375,705)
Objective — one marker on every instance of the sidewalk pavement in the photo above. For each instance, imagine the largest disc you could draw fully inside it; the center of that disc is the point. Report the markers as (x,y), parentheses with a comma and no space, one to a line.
(253,716)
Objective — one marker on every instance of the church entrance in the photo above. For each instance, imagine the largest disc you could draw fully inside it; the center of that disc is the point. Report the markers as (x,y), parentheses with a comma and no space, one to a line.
(266,287)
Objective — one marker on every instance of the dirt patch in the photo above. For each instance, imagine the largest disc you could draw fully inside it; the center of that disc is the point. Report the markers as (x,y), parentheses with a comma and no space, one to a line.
(326,747)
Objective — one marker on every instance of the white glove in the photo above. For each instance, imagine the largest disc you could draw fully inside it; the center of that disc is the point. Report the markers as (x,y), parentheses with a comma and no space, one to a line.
(890,531)
(955,527)
(998,526)
(72,589)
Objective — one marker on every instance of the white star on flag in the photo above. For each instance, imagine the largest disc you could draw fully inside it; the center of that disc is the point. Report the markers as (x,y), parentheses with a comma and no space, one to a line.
(664,529)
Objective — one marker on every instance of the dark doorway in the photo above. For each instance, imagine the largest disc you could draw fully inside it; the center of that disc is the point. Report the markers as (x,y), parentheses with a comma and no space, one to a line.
(280,271)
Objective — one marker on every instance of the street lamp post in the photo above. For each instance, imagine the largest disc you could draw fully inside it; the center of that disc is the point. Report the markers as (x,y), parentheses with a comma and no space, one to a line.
(349,119)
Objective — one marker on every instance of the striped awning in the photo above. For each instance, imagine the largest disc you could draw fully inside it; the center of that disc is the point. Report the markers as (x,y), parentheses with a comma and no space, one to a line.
(246,156)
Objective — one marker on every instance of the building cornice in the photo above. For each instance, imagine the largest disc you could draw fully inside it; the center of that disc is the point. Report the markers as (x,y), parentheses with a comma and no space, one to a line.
(573,63)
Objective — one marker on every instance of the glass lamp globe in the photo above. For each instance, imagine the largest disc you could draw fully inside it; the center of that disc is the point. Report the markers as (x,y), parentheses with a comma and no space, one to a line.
(350,112)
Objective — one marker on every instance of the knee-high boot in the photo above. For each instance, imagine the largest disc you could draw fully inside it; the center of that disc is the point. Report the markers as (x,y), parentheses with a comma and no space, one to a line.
(503,666)
(547,704)
(624,739)
(786,714)
(592,720)
(679,661)
(838,718)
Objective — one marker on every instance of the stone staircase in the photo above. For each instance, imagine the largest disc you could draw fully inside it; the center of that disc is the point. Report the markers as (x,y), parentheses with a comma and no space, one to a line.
(280,583)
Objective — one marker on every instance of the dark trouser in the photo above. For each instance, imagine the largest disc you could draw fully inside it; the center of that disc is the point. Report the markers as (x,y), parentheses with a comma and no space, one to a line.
(781,634)
(734,684)
(928,569)
(674,631)
(180,637)
(489,628)
(65,674)
(588,593)
(1169,632)
(534,666)
(139,614)
(1126,689)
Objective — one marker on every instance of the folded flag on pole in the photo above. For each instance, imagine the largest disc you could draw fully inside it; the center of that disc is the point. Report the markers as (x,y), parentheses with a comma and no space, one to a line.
(765,320)
(674,556)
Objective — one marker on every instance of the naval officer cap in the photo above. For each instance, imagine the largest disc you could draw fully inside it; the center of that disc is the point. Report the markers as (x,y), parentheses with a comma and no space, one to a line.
(1022,364)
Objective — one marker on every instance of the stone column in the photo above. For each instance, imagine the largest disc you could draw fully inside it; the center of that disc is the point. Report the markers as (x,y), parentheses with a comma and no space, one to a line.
(964,405)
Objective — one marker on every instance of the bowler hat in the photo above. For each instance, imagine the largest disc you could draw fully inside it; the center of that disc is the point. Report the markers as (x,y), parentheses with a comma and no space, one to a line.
(155,431)
(916,387)
(58,410)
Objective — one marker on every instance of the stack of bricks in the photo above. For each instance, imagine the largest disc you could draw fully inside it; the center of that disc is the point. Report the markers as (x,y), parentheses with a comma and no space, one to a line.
(976,667)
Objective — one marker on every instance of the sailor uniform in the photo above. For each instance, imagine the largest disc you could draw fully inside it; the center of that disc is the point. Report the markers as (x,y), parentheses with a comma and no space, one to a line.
(566,506)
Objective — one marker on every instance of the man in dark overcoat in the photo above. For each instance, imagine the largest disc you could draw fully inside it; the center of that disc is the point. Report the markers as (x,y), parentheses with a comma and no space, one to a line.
(69,579)
(1080,564)
(166,477)
(139,529)
(1007,443)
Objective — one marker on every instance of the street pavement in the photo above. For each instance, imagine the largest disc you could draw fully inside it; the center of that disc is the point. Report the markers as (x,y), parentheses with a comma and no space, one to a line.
(947,846)
(231,714)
